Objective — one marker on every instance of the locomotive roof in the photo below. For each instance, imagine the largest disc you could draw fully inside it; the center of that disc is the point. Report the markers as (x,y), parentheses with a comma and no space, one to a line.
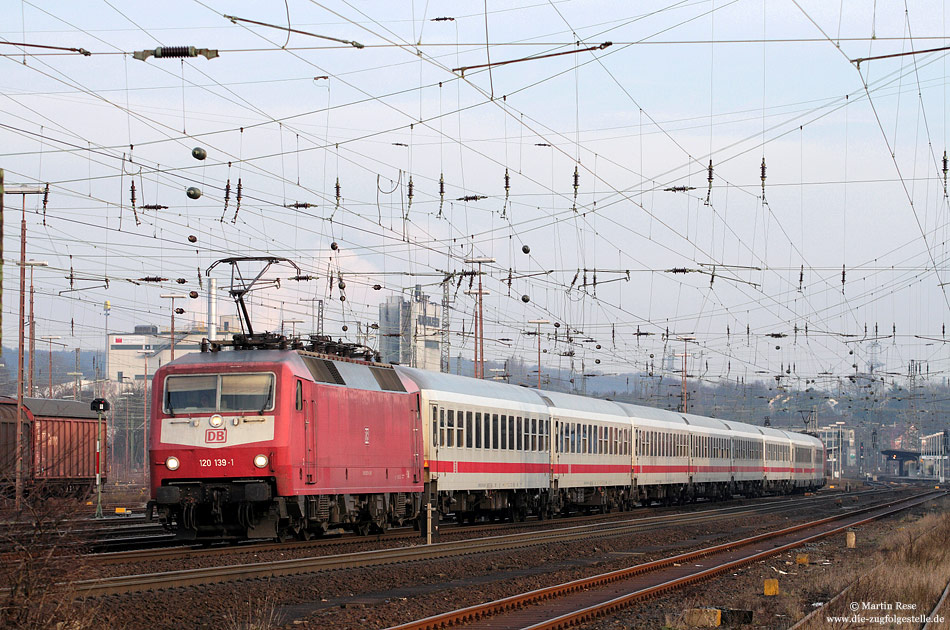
(343,372)
(235,356)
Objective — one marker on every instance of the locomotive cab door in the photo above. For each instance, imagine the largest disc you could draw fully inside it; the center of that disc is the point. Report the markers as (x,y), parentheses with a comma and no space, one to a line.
(309,434)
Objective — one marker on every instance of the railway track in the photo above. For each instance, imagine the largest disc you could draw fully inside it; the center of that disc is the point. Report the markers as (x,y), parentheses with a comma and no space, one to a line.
(581,601)
(504,542)
(138,552)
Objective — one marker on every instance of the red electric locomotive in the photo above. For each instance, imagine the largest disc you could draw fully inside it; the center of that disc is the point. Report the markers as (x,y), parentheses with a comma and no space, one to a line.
(277,440)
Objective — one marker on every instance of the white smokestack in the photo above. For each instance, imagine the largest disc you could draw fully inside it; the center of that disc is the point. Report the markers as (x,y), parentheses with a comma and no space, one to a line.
(212,309)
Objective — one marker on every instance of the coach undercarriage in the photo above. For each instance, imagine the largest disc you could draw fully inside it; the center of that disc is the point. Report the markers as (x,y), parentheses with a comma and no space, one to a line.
(471,506)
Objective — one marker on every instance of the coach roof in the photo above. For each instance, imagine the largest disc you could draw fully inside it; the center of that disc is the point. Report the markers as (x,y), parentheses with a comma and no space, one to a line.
(464,385)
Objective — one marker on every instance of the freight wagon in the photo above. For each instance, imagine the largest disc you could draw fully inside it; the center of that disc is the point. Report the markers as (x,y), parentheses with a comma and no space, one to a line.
(59,445)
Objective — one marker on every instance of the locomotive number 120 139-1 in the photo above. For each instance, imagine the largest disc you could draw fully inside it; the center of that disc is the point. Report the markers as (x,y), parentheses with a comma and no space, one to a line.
(215,462)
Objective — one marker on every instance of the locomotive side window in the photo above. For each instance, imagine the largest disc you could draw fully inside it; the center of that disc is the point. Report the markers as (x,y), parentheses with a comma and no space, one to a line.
(298,402)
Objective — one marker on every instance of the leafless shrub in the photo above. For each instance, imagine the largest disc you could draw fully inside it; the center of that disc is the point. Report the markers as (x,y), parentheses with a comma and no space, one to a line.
(42,555)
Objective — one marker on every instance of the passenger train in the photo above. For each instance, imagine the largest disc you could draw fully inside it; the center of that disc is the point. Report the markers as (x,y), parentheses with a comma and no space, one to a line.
(274,439)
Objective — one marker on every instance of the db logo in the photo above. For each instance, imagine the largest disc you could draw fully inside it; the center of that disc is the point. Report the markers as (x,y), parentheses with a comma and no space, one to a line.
(216,436)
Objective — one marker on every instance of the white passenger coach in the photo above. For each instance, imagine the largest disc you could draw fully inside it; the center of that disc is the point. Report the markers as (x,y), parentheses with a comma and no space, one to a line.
(495,450)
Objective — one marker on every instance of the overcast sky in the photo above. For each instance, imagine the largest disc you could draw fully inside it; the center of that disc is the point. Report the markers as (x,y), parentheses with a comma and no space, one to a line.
(854,188)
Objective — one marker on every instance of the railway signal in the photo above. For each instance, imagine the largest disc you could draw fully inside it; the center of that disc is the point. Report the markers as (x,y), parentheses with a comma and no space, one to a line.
(100,406)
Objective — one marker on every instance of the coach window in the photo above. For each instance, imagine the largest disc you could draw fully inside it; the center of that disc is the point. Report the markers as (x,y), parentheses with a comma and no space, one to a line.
(469,430)
(511,433)
(450,426)
(478,430)
(518,434)
(436,437)
(494,431)
(504,432)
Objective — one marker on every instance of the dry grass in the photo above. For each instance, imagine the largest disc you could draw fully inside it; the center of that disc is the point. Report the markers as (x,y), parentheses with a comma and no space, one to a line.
(912,567)
(257,614)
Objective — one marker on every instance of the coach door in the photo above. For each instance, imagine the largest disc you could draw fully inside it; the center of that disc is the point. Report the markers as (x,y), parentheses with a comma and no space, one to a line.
(309,436)
(556,444)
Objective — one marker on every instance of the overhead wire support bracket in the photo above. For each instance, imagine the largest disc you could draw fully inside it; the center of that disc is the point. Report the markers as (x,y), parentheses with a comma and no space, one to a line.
(234,19)
(857,62)
(495,64)
(81,51)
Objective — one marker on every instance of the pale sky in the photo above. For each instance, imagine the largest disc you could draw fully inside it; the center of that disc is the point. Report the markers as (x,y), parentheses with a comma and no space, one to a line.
(854,171)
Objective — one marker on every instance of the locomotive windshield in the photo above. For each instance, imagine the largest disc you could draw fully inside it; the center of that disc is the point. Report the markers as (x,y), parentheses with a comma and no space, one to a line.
(198,393)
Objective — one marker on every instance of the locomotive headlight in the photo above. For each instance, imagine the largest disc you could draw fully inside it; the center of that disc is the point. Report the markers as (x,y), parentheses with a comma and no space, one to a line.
(216,420)
(260,460)
(172,463)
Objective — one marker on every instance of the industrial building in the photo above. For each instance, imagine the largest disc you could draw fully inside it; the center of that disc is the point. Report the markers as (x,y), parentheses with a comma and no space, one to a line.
(148,347)
(409,331)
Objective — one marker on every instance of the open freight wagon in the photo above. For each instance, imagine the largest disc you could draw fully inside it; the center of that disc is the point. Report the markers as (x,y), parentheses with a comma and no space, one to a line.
(59,446)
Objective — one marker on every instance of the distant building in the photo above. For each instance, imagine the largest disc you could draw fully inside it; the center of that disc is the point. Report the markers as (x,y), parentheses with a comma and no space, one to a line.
(839,448)
(409,331)
(146,345)
(934,455)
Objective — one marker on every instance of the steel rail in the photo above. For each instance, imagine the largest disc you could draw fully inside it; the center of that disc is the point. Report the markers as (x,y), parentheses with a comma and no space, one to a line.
(480,611)
(931,624)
